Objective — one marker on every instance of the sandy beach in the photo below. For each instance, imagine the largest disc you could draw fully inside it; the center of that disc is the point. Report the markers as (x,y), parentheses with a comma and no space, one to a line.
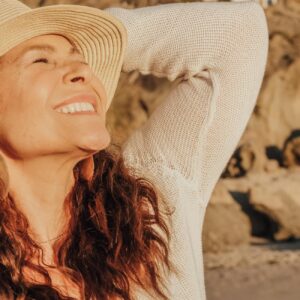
(266,271)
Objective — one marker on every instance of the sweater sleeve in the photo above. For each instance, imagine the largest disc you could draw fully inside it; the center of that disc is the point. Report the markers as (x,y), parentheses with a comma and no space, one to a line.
(216,52)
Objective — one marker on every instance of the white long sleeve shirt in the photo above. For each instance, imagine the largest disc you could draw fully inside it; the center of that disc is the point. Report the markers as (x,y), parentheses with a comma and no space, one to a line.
(217,51)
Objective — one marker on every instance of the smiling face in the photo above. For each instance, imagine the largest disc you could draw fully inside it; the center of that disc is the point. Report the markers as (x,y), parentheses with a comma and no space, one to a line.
(35,120)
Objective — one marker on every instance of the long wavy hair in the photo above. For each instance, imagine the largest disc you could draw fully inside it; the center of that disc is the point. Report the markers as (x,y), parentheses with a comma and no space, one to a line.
(117,235)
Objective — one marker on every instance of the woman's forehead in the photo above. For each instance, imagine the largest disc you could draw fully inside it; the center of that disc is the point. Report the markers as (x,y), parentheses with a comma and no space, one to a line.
(50,43)
(46,38)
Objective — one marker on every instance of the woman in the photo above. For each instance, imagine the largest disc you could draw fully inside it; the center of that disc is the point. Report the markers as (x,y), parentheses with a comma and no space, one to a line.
(79,220)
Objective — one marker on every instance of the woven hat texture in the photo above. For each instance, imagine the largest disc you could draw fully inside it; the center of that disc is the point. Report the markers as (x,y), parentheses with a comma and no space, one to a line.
(99,36)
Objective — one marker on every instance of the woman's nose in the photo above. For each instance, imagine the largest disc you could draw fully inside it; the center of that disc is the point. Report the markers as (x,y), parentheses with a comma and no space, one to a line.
(78,71)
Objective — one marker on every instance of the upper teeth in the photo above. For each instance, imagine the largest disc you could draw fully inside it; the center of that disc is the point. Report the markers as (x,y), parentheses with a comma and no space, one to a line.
(74,107)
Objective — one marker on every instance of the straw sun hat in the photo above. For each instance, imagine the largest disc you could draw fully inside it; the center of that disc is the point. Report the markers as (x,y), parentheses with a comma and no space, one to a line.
(99,36)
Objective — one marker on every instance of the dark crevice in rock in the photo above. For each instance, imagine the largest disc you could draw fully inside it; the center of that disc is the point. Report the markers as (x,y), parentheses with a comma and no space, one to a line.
(240,162)
(144,106)
(274,152)
(262,225)
(41,2)
(291,149)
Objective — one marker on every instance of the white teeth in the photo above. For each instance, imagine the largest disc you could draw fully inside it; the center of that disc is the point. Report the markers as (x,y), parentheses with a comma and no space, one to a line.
(64,110)
(84,106)
(72,108)
(76,107)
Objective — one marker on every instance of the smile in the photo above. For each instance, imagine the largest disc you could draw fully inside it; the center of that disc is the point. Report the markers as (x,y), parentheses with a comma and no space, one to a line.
(75,108)
(80,104)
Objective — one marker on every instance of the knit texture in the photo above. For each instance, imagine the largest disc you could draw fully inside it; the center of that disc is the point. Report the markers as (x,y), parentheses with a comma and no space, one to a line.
(217,52)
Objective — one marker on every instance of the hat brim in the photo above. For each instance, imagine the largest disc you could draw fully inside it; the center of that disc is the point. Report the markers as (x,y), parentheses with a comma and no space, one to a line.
(99,36)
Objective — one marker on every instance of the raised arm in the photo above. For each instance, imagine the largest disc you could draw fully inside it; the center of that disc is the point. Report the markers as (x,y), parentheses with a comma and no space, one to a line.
(218,52)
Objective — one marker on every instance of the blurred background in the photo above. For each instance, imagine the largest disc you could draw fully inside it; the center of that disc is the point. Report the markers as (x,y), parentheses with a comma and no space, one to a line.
(252,223)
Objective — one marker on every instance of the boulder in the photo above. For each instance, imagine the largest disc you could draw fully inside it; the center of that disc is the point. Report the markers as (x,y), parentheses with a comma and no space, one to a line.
(278,197)
(225,225)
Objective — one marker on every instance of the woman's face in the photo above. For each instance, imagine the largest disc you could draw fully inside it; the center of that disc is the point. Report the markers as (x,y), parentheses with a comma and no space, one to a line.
(32,83)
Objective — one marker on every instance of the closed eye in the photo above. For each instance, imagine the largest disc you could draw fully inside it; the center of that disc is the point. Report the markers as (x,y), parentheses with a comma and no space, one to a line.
(46,60)
(41,60)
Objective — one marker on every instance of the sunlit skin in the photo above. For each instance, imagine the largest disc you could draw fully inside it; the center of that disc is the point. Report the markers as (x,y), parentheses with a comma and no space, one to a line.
(39,145)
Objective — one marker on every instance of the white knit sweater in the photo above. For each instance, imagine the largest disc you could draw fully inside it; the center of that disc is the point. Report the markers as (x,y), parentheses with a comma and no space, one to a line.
(218,53)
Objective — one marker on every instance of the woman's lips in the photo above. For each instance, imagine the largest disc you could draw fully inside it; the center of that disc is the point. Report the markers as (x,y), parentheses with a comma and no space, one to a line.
(89,98)
(79,113)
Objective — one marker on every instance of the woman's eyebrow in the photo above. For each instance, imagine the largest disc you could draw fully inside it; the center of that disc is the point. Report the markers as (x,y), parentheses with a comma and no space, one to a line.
(45,47)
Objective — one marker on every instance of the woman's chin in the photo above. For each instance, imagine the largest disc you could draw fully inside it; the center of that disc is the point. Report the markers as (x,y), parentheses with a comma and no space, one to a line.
(94,143)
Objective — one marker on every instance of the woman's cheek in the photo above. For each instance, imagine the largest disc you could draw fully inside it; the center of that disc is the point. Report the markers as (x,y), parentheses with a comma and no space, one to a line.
(42,87)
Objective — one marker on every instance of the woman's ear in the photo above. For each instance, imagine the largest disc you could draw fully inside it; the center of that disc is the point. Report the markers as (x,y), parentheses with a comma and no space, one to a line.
(87,168)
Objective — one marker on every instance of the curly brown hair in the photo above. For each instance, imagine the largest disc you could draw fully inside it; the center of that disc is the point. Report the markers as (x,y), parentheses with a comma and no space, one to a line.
(111,240)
